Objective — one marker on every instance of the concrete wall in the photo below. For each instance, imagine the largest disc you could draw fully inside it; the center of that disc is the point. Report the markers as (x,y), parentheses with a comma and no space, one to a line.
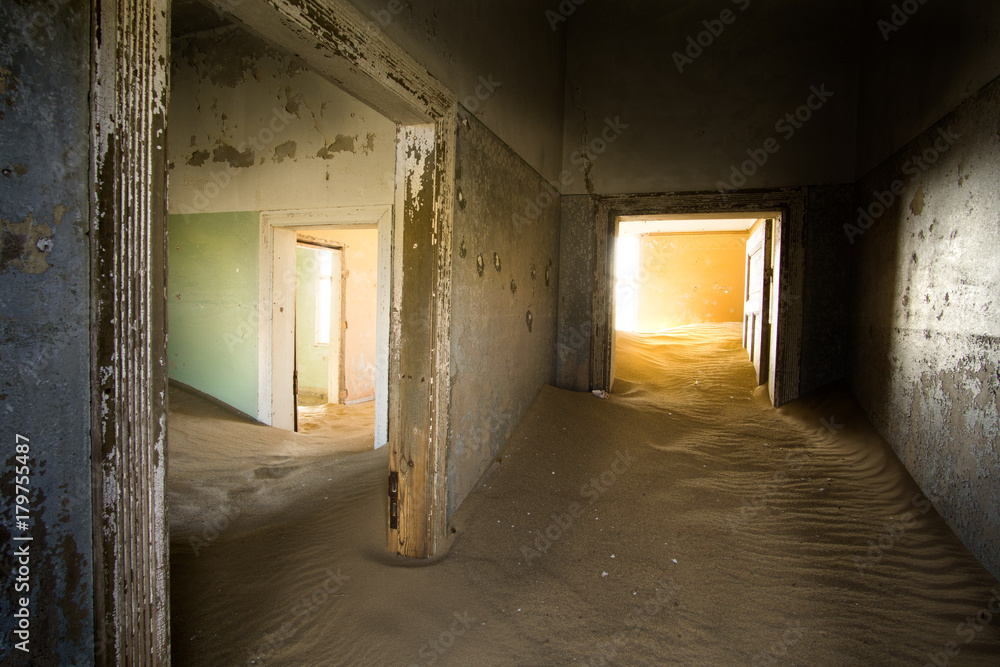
(44,326)
(651,122)
(576,281)
(689,279)
(503,58)
(212,287)
(925,346)
(505,279)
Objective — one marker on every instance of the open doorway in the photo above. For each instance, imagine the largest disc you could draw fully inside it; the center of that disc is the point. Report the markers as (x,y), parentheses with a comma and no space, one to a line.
(769,315)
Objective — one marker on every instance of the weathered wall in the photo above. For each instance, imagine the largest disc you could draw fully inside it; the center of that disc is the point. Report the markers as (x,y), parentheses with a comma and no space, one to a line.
(925,345)
(44,327)
(825,287)
(502,58)
(212,285)
(652,125)
(504,310)
(576,284)
(918,66)
(360,288)
(689,279)
(252,129)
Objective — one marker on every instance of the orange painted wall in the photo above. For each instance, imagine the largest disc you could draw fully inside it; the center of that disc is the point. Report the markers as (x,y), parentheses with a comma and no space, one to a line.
(690,279)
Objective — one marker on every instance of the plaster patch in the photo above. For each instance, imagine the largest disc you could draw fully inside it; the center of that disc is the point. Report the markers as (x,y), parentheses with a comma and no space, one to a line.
(25,245)
(342,144)
(917,205)
(226,153)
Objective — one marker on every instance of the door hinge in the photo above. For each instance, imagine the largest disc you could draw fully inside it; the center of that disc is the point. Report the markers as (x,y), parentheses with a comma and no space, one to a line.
(394,500)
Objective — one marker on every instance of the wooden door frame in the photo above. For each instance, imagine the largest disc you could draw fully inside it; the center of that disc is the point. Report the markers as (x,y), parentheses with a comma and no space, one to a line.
(130,62)
(788,259)
(269,406)
(762,363)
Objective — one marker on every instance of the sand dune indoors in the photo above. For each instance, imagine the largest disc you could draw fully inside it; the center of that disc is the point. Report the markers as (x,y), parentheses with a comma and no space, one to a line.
(682,521)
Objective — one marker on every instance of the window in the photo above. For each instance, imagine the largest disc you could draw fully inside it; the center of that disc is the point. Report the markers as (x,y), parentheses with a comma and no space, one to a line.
(324,297)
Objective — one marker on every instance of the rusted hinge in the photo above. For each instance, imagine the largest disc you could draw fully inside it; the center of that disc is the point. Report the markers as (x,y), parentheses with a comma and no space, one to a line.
(394,500)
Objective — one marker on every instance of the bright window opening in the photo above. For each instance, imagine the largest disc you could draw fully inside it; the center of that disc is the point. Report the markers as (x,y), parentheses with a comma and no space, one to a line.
(324,294)
(626,287)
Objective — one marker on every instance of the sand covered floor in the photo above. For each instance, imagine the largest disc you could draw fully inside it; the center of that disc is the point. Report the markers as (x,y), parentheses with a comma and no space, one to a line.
(682,521)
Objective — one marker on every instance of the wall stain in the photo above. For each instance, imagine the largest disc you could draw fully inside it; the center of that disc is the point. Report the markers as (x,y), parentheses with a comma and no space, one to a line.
(534,271)
(342,144)
(462,250)
(285,151)
(25,245)
(480,265)
(917,205)
(529,320)
(226,153)
(513,287)
(496,262)
(198,158)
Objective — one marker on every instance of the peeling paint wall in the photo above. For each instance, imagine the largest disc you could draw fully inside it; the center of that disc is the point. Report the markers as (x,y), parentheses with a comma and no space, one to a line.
(925,347)
(505,280)
(44,326)
(502,58)
(638,122)
(253,129)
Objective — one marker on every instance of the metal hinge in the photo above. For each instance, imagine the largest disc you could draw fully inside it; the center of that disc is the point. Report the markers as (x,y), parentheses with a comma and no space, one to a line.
(394,500)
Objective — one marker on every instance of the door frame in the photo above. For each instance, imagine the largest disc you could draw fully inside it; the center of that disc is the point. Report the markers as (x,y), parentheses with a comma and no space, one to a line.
(130,63)
(272,387)
(787,259)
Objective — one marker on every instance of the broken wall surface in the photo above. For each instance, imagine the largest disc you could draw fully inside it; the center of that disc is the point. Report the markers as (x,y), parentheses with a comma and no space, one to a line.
(647,111)
(45,390)
(505,276)
(504,59)
(925,346)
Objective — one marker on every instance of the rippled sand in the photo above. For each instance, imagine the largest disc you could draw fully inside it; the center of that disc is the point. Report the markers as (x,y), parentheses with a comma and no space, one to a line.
(682,521)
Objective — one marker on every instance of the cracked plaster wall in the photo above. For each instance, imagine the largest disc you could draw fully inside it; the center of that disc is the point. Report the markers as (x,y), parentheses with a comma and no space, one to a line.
(925,346)
(252,129)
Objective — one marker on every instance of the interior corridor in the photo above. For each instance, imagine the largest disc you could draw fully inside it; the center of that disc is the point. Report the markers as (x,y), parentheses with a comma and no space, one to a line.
(681,521)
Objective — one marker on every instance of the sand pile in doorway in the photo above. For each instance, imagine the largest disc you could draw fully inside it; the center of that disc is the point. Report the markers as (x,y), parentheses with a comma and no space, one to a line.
(681,521)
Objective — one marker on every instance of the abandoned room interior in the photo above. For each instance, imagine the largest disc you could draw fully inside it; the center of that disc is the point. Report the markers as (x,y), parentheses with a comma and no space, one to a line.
(500,332)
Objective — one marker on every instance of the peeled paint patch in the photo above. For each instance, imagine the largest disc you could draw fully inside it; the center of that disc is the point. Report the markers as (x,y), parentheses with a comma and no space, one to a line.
(917,205)
(226,153)
(343,144)
(285,150)
(25,245)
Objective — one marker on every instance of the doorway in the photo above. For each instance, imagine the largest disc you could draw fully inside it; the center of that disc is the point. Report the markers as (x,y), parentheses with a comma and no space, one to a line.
(357,358)
(779,322)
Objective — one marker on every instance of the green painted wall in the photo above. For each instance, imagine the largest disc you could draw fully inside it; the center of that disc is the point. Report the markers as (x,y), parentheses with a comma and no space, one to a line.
(313,362)
(212,288)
